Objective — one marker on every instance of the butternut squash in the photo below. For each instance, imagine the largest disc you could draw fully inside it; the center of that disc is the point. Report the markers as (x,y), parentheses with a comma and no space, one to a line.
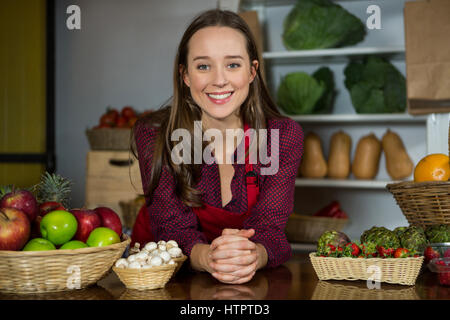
(339,155)
(398,162)
(313,164)
(367,157)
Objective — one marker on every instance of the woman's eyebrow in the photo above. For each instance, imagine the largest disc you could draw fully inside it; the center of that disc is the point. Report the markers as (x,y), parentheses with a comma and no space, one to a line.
(226,57)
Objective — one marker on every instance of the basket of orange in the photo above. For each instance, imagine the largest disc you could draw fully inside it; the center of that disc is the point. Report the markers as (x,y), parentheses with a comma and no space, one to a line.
(426,200)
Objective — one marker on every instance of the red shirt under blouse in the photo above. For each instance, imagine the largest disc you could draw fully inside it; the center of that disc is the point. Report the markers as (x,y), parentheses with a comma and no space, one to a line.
(170,218)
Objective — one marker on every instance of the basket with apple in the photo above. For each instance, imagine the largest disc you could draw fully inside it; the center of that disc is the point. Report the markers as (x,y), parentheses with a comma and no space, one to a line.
(46,247)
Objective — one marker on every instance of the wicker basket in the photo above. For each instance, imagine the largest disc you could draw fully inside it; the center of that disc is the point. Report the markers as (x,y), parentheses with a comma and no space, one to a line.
(179,261)
(56,270)
(423,203)
(391,270)
(308,229)
(157,294)
(130,210)
(146,279)
(331,291)
(109,138)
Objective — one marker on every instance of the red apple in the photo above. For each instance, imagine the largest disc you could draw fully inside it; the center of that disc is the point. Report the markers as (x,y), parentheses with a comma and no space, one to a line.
(109,219)
(87,220)
(22,200)
(49,206)
(14,229)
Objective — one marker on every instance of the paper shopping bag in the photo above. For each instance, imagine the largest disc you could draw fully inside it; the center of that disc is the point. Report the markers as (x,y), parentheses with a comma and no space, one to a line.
(427,41)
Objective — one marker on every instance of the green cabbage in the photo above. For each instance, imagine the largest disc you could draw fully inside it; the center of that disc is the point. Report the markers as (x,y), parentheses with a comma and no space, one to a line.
(375,86)
(318,24)
(300,93)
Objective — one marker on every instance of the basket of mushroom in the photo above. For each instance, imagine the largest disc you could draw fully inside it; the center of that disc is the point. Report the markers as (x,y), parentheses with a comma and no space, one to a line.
(150,268)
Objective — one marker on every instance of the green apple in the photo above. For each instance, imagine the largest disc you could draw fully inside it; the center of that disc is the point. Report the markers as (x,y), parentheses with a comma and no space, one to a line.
(58,226)
(102,237)
(39,244)
(74,244)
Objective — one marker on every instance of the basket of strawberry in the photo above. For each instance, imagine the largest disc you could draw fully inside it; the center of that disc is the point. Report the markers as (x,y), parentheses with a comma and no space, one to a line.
(381,255)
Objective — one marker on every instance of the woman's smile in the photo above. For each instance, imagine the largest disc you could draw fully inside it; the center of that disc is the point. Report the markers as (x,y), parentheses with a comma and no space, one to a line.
(220,97)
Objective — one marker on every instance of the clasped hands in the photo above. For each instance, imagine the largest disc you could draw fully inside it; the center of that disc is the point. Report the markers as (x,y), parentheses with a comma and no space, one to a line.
(232,258)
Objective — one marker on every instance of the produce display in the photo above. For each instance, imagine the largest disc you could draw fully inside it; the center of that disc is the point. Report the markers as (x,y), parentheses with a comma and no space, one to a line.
(152,255)
(42,221)
(402,242)
(114,118)
(332,210)
(313,164)
(398,163)
(367,157)
(432,167)
(442,267)
(375,86)
(318,24)
(339,155)
(301,93)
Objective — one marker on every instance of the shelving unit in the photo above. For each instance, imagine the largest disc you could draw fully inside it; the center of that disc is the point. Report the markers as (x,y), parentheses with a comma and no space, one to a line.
(333,55)
(367,202)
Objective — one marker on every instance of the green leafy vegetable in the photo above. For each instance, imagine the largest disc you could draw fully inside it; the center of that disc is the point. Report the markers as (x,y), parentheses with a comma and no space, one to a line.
(318,24)
(375,86)
(300,93)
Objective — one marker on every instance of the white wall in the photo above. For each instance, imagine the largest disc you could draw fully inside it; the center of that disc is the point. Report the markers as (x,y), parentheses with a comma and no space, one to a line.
(123,55)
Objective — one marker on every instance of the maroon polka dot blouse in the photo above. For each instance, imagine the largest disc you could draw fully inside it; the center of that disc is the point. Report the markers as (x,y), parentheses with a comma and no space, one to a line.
(170,218)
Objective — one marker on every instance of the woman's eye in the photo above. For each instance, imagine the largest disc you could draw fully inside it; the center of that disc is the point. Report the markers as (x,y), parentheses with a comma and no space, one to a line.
(234,65)
(202,67)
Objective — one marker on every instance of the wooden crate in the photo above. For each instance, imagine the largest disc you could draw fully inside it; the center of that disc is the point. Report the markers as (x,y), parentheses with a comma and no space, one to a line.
(111,177)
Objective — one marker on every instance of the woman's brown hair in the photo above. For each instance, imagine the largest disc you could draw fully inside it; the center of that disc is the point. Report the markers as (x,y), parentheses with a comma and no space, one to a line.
(183,111)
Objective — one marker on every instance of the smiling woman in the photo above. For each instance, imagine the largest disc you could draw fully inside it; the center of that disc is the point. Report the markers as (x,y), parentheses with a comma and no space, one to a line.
(228,217)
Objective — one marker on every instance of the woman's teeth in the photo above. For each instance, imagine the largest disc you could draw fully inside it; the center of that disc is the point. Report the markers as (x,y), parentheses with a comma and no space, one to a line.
(219,96)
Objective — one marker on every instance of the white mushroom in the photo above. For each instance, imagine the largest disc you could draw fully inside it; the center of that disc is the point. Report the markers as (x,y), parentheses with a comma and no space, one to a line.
(161,242)
(171,262)
(156,261)
(165,256)
(122,263)
(141,256)
(146,266)
(134,265)
(131,258)
(162,247)
(175,252)
(171,244)
(150,246)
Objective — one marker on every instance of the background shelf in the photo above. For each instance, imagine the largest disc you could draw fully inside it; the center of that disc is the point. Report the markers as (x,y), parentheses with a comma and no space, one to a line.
(359,118)
(341,183)
(333,55)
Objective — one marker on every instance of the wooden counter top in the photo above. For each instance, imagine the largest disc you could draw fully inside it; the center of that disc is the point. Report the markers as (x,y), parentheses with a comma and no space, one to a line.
(295,280)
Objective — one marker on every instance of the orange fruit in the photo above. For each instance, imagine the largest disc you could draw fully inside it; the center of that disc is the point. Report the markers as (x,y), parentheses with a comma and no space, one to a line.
(433,167)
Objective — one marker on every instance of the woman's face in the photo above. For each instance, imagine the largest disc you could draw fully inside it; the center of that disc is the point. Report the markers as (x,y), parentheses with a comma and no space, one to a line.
(219,72)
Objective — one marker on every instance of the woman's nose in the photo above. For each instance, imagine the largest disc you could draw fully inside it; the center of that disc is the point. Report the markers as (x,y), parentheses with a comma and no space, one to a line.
(220,77)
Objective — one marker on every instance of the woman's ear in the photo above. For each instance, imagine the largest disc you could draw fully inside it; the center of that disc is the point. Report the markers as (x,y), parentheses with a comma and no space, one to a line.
(183,75)
(253,69)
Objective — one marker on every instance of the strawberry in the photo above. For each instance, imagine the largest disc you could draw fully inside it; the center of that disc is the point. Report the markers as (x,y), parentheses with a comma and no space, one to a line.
(447,253)
(401,253)
(385,252)
(351,250)
(430,254)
